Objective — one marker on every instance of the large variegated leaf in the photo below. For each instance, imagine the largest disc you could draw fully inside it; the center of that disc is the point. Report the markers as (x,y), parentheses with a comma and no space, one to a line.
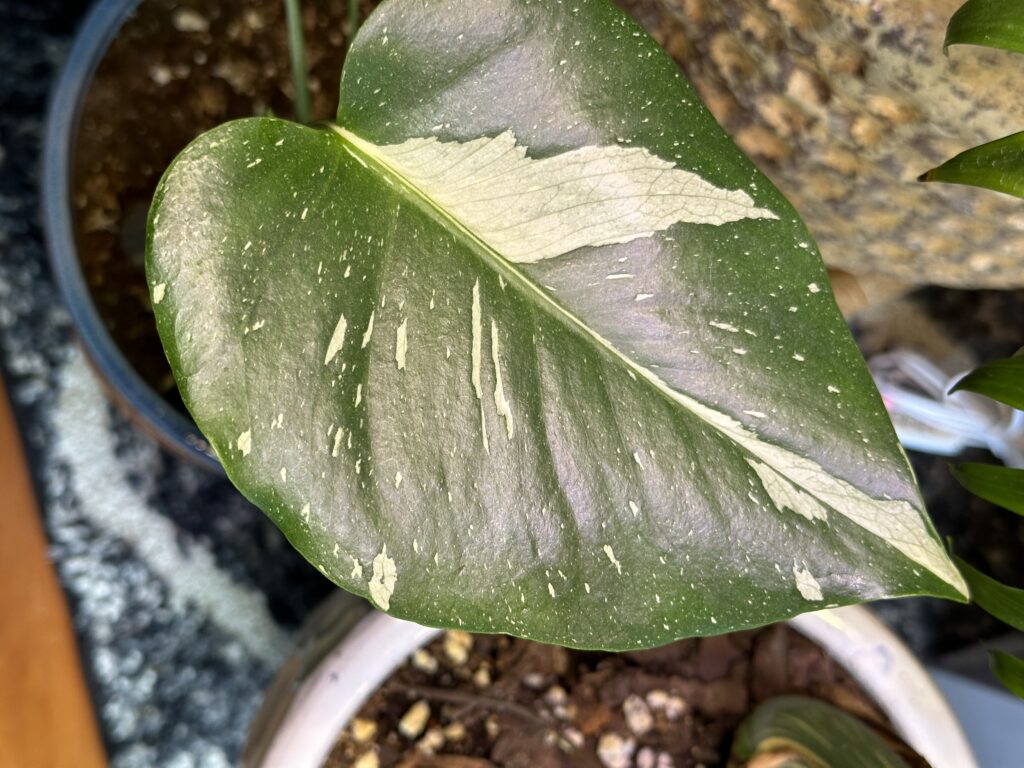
(524,344)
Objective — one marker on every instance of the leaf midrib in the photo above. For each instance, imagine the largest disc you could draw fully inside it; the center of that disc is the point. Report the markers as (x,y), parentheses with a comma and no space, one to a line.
(354,144)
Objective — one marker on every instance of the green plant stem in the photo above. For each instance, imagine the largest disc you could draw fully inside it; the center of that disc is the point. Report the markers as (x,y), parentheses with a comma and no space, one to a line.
(353,20)
(297,49)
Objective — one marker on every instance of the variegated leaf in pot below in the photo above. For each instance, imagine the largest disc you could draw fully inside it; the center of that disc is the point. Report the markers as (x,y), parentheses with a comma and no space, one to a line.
(801,732)
(523,343)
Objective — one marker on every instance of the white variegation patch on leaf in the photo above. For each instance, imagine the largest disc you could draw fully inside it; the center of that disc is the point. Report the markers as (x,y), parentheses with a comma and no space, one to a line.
(534,209)
(806,584)
(382,580)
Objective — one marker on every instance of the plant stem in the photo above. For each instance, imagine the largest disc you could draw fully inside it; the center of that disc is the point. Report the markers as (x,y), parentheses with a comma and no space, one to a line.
(353,20)
(297,49)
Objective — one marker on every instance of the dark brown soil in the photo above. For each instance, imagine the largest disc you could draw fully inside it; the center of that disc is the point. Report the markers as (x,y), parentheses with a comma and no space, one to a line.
(178,68)
(480,701)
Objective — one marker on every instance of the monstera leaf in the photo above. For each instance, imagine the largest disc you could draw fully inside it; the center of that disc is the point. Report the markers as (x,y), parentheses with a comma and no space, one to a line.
(522,343)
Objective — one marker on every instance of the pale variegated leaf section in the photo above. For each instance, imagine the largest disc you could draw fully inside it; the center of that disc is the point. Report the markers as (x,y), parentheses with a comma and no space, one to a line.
(534,209)
(801,484)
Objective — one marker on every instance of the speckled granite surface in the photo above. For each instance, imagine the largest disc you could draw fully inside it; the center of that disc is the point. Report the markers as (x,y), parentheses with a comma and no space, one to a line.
(183,595)
(842,104)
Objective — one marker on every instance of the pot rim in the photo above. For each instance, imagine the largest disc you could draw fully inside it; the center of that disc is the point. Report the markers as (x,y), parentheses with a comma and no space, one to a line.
(341,681)
(170,427)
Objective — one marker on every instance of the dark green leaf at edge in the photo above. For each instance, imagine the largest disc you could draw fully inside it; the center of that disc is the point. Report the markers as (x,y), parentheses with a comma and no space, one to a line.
(997,165)
(1000,485)
(1004,602)
(992,23)
(1010,671)
(299,534)
(1001,380)
(822,733)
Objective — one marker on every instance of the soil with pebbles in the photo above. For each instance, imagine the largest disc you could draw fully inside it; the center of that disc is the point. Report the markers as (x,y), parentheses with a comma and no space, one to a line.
(178,68)
(477,701)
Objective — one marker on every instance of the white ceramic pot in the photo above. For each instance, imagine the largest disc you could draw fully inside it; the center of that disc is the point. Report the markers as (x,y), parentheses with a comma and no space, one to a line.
(320,705)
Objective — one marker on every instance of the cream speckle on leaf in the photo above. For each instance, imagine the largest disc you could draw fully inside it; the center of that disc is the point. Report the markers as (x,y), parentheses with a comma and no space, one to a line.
(245,442)
(382,580)
(337,340)
(612,559)
(369,331)
(476,354)
(724,326)
(401,344)
(500,401)
(807,584)
(477,340)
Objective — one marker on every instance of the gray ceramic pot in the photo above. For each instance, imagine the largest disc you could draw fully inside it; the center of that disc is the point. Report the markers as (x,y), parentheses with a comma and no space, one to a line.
(146,407)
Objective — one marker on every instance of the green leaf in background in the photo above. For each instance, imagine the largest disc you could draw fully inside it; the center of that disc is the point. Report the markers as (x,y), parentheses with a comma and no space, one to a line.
(524,344)
(999,485)
(1010,671)
(1003,602)
(998,165)
(992,23)
(1001,380)
(810,733)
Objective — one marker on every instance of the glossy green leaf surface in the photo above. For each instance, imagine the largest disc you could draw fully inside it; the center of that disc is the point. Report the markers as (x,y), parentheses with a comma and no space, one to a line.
(993,23)
(524,344)
(815,733)
(1000,485)
(1001,380)
(1003,602)
(1010,671)
(997,165)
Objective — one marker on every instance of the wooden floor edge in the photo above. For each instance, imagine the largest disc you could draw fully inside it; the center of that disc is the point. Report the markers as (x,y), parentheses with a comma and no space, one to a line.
(46,715)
